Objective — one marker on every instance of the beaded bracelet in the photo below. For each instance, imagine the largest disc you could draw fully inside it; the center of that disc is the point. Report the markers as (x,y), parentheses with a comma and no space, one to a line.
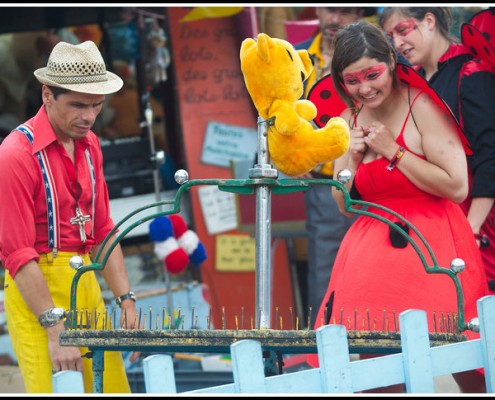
(395,159)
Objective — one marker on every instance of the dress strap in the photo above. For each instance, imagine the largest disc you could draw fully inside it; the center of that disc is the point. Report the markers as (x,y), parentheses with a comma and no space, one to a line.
(409,112)
(355,115)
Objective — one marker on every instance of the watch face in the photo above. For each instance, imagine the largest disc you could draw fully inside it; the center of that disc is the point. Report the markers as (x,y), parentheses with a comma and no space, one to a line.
(52,317)
(57,314)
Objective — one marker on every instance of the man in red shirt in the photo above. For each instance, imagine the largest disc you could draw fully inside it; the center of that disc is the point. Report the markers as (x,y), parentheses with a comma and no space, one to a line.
(55,205)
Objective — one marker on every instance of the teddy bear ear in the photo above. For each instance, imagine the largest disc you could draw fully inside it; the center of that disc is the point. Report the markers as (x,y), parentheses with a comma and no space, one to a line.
(264,44)
(307,62)
(245,45)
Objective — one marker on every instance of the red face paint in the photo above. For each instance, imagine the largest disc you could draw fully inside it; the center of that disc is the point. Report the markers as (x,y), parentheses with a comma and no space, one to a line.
(403,28)
(368,74)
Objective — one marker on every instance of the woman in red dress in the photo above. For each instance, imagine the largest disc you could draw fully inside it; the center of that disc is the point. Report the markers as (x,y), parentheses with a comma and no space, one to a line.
(406,154)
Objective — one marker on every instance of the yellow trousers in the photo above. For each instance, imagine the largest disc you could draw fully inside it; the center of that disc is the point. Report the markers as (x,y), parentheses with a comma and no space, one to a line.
(29,339)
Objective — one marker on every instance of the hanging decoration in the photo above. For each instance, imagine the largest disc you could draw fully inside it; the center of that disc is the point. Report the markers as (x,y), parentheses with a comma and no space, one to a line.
(159,54)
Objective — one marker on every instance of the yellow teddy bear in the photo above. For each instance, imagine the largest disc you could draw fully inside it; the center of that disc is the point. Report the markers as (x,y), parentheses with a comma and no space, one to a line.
(274,73)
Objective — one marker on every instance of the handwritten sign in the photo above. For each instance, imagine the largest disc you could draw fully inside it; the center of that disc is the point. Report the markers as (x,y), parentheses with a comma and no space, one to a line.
(219,210)
(235,253)
(210,76)
(228,142)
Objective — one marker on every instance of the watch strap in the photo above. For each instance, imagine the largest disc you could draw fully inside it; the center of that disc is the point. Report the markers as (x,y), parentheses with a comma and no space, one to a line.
(51,317)
(126,296)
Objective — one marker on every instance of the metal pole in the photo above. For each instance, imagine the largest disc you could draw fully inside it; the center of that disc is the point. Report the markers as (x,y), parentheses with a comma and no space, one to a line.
(157,159)
(263,229)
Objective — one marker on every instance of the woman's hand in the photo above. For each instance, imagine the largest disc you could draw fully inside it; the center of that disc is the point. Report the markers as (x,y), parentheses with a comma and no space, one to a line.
(357,146)
(380,139)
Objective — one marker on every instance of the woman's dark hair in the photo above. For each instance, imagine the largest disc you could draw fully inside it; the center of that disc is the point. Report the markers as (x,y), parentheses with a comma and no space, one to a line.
(354,42)
(443,16)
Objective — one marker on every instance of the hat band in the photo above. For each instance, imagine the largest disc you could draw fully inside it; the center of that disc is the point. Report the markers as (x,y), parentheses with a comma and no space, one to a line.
(68,80)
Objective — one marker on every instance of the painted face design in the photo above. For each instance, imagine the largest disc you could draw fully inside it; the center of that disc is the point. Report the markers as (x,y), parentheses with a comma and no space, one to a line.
(367,74)
(403,28)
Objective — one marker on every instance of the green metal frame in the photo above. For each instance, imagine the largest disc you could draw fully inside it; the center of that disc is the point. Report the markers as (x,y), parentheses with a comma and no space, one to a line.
(274,342)
(282,186)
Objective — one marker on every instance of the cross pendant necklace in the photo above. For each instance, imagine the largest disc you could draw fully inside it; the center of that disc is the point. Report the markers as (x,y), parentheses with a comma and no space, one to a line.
(80,219)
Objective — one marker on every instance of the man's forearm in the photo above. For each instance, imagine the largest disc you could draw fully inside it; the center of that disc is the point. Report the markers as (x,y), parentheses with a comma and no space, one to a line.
(33,287)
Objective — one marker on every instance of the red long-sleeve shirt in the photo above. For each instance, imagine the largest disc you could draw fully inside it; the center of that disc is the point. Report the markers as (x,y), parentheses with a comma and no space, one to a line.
(23,211)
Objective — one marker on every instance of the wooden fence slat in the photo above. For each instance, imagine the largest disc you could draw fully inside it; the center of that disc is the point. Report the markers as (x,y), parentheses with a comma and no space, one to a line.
(456,357)
(68,382)
(334,359)
(377,372)
(306,381)
(159,376)
(486,314)
(247,366)
(415,344)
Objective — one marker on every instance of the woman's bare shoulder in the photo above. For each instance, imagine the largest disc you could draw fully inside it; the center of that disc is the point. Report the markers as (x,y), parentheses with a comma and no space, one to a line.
(423,103)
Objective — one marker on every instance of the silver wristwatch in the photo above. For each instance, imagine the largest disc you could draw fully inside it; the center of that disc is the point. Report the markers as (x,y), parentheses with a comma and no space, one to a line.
(51,317)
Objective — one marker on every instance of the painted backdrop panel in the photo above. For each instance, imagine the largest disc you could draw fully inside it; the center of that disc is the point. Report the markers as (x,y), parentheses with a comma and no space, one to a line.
(210,88)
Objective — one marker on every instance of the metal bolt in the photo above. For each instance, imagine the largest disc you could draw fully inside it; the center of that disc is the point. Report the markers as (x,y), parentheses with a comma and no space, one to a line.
(76,262)
(457,265)
(474,325)
(344,176)
(181,176)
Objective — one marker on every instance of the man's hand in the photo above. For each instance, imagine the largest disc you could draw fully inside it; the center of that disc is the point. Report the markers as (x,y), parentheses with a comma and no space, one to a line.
(129,319)
(64,358)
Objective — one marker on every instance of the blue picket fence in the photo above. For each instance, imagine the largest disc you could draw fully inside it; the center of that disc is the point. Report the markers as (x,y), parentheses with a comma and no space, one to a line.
(416,366)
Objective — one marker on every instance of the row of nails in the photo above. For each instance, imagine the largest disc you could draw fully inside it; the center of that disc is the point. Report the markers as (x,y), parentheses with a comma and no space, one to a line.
(85,319)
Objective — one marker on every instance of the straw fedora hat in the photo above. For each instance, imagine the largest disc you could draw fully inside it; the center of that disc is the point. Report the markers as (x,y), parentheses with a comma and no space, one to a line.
(79,68)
